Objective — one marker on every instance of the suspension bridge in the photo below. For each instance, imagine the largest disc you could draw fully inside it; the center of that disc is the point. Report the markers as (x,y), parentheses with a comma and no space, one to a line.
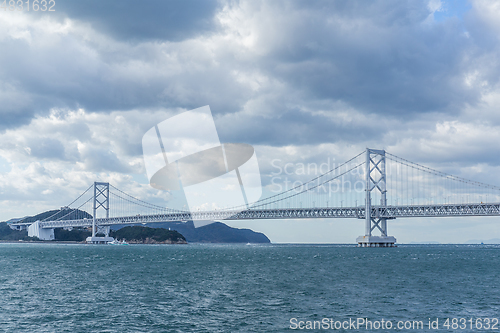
(374,185)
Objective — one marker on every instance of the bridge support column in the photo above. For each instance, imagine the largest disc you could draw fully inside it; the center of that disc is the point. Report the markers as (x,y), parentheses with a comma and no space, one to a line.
(375,180)
(101,200)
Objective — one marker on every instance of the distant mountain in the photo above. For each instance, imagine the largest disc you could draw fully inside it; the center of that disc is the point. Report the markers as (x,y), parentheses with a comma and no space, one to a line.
(488,241)
(15,220)
(425,243)
(216,232)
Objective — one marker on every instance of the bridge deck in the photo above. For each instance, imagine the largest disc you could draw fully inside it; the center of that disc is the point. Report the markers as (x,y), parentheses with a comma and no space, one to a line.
(477,209)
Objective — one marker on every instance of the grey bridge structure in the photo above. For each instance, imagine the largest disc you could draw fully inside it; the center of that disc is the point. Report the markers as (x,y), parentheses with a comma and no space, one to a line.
(386,186)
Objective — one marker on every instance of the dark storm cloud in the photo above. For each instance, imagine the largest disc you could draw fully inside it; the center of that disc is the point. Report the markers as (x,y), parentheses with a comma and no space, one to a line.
(101,159)
(380,57)
(298,127)
(47,148)
(386,61)
(67,74)
(13,117)
(145,20)
(71,71)
(15,106)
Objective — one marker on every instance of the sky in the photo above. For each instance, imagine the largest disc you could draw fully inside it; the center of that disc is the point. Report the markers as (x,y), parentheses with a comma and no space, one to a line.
(300,81)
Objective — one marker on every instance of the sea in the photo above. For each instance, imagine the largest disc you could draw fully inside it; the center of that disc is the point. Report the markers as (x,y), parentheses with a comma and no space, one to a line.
(248,288)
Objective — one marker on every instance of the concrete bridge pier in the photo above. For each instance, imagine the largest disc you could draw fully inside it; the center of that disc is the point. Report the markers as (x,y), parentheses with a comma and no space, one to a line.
(35,230)
(376,241)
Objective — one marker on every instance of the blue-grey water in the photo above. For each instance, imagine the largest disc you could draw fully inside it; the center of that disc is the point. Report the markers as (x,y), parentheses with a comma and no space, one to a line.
(241,288)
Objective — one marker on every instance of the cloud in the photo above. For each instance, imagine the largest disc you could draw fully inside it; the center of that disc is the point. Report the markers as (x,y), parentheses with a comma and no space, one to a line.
(394,64)
(154,20)
(66,151)
(378,59)
(301,81)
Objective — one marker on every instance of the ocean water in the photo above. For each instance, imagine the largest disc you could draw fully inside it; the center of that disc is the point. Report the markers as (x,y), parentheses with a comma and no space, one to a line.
(244,288)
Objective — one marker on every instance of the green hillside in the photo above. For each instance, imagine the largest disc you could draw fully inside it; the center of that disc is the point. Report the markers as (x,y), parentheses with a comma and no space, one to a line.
(63,214)
(6,233)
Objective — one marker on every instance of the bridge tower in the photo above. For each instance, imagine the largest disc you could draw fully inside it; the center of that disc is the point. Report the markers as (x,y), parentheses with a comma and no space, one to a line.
(375,181)
(101,201)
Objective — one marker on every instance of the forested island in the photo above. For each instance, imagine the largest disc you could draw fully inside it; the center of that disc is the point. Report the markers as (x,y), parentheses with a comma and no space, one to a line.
(146,235)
